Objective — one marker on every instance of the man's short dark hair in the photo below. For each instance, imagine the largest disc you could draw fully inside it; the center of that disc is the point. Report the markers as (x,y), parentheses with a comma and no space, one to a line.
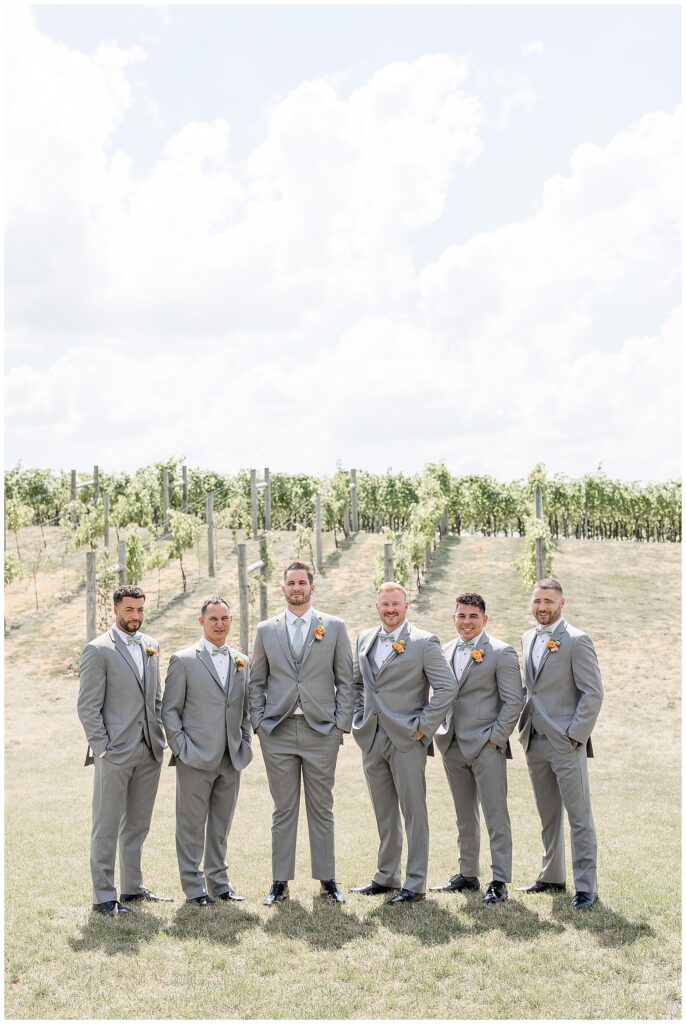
(299,565)
(122,592)
(475,600)
(549,583)
(214,599)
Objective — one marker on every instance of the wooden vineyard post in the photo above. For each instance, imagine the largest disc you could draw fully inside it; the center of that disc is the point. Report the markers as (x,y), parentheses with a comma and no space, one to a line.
(318,531)
(267,500)
(209,515)
(388,561)
(353,501)
(540,541)
(91,597)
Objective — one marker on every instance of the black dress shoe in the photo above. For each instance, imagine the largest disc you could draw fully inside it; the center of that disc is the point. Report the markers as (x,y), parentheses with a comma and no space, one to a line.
(581,900)
(405,896)
(229,895)
(277,894)
(110,908)
(496,893)
(202,901)
(458,883)
(144,894)
(374,889)
(329,889)
(539,886)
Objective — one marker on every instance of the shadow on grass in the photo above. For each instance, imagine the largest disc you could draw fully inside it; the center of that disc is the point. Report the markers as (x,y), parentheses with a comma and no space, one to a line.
(223,923)
(512,918)
(437,572)
(113,935)
(328,926)
(427,921)
(608,927)
(156,613)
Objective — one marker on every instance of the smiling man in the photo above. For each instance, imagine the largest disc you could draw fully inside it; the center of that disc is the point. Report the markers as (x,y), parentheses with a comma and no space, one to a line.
(396,667)
(119,706)
(565,693)
(205,713)
(474,743)
(301,704)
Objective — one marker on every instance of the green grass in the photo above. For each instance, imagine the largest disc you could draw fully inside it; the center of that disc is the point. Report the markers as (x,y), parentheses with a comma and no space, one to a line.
(450,957)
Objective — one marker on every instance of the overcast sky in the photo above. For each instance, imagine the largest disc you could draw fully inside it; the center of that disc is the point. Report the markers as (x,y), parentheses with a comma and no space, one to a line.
(280,236)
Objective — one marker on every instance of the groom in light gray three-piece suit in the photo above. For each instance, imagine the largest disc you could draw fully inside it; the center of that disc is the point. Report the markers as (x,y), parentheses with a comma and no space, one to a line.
(395,669)
(474,743)
(301,704)
(205,714)
(565,693)
(119,707)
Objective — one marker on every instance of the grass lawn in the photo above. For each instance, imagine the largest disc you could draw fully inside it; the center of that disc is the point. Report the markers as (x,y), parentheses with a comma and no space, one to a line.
(449,957)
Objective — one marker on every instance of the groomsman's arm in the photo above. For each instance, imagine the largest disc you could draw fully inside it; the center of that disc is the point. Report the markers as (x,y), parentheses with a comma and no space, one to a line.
(158,690)
(586,673)
(257,688)
(343,680)
(444,689)
(173,703)
(246,726)
(358,683)
(509,682)
(92,687)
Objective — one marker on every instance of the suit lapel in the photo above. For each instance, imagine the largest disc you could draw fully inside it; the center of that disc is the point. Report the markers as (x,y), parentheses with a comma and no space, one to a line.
(206,658)
(282,634)
(546,654)
(316,620)
(404,635)
(123,650)
(449,654)
(365,659)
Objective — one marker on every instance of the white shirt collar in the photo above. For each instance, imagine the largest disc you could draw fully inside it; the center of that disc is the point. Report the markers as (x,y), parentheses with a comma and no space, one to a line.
(209,646)
(476,642)
(124,636)
(560,624)
(306,617)
(397,631)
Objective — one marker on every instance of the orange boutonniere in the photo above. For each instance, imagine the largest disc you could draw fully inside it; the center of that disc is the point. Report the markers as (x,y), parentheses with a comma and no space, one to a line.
(151,651)
(319,632)
(477,655)
(239,663)
(399,646)
(553,645)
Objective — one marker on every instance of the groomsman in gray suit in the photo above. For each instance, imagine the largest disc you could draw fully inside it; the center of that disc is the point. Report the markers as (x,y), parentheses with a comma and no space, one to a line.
(119,707)
(395,667)
(474,742)
(205,714)
(301,704)
(564,695)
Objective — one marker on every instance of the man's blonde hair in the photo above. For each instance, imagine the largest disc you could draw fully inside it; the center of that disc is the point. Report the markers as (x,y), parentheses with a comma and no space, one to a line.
(391,585)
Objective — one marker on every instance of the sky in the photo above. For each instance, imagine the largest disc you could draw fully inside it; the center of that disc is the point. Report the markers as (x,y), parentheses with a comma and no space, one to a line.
(385,235)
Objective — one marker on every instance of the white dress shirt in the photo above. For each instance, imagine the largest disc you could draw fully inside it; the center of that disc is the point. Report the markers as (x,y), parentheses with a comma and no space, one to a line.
(220,661)
(306,619)
(461,657)
(383,647)
(135,650)
(538,648)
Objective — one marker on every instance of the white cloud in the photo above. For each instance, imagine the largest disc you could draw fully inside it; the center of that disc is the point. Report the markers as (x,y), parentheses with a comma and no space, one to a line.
(524,98)
(271,311)
(536,48)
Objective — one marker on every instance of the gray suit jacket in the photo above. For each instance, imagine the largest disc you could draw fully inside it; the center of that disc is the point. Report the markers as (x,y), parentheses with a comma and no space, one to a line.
(397,696)
(116,707)
(489,699)
(565,694)
(323,680)
(201,718)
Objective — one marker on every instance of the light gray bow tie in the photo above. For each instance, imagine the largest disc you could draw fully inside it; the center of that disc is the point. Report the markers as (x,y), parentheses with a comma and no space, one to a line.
(135,639)
(220,650)
(468,646)
(542,631)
